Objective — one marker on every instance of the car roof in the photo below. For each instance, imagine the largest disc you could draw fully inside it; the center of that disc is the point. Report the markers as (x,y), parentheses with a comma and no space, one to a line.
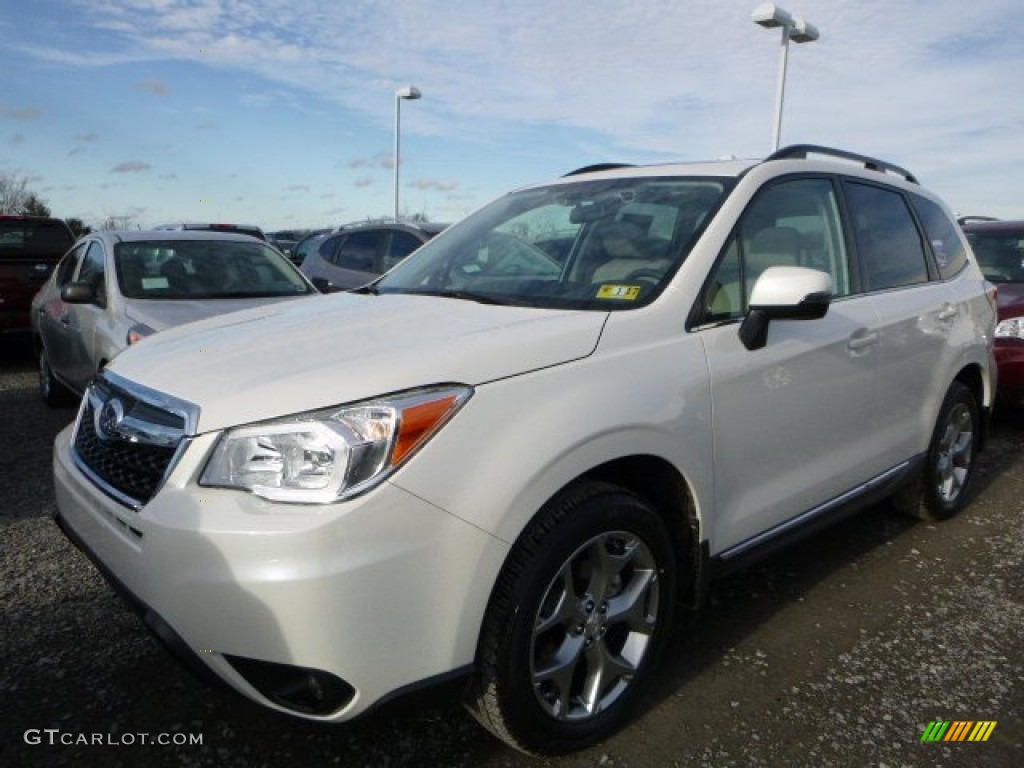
(798,157)
(164,235)
(427,227)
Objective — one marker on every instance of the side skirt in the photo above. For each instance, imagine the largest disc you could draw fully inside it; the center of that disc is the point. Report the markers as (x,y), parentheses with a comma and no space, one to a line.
(801,526)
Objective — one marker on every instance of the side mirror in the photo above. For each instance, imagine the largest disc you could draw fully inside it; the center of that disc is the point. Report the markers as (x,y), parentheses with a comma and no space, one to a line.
(784,293)
(79,293)
(322,284)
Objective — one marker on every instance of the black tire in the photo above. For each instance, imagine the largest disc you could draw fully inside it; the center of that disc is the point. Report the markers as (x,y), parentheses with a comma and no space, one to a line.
(54,394)
(940,490)
(594,570)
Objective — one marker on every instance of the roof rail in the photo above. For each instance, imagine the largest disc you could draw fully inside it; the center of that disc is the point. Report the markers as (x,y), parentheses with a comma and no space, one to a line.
(598,167)
(871,163)
(974,219)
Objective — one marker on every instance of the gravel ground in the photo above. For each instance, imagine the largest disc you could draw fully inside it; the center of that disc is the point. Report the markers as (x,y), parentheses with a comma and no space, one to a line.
(837,652)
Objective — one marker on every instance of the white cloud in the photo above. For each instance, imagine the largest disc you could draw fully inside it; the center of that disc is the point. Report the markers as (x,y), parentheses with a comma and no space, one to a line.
(929,85)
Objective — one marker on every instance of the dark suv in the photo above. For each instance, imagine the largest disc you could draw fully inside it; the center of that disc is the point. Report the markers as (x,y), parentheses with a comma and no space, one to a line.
(358,253)
(30,247)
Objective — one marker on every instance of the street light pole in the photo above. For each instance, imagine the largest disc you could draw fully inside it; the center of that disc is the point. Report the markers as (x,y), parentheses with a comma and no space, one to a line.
(769,16)
(409,93)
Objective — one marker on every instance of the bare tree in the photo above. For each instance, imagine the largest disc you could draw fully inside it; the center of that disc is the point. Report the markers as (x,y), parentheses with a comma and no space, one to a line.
(13,191)
(34,205)
(16,198)
(78,227)
(111,223)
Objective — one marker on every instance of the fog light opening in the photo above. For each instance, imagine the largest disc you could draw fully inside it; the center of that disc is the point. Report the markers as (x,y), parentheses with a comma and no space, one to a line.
(300,689)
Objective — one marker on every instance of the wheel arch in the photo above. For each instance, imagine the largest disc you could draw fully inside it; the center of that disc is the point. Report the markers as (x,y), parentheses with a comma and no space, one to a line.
(971,376)
(666,489)
(662,485)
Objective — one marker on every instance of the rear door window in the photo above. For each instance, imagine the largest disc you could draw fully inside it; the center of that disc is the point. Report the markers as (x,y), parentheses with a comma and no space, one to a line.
(359,251)
(400,245)
(889,245)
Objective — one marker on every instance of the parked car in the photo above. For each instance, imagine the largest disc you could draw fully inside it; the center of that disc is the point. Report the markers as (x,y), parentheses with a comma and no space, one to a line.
(999,248)
(307,244)
(285,239)
(204,226)
(356,254)
(113,289)
(499,463)
(30,247)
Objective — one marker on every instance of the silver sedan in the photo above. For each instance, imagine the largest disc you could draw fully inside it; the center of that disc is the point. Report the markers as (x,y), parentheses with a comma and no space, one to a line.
(113,289)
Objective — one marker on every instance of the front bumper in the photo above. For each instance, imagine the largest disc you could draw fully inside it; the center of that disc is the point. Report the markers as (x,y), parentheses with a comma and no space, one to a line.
(382,592)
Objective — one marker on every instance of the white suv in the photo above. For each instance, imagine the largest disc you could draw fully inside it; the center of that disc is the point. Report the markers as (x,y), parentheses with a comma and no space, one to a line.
(515,454)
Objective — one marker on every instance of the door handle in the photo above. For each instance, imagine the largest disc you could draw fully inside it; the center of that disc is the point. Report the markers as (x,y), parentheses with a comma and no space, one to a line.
(862,340)
(948,312)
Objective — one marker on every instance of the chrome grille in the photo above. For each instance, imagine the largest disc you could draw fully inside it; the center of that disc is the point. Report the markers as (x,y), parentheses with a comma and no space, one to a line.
(127,438)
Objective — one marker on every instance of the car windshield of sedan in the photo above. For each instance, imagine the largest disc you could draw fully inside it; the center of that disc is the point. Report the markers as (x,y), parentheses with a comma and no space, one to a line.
(204,269)
(1000,255)
(603,244)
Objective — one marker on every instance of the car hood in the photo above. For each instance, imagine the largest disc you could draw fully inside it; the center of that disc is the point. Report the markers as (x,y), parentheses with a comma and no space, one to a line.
(160,314)
(299,356)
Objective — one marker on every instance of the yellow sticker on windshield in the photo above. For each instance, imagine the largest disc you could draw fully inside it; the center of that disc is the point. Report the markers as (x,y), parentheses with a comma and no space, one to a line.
(621,292)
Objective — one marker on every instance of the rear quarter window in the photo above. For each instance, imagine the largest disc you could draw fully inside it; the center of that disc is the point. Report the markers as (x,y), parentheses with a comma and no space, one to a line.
(943,236)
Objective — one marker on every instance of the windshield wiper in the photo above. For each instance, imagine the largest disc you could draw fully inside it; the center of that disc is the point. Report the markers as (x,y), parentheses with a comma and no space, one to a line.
(463,295)
(239,295)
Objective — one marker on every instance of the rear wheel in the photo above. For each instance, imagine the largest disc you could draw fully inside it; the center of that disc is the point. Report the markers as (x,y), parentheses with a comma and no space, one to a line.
(940,491)
(577,619)
(54,393)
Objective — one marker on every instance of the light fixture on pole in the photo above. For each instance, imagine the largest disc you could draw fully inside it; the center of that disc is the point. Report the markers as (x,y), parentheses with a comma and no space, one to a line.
(770,16)
(409,93)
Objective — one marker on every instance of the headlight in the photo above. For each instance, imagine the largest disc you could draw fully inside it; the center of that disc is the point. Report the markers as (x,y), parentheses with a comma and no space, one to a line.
(1011,329)
(326,456)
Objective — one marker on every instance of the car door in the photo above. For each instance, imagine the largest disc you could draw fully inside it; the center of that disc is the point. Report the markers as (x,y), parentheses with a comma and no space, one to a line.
(793,421)
(917,314)
(85,319)
(55,314)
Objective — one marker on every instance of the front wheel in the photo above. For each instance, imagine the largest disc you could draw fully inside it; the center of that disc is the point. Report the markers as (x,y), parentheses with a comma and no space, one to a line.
(577,619)
(940,491)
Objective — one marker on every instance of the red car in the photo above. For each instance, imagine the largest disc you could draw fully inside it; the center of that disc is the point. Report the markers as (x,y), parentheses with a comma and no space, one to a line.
(999,247)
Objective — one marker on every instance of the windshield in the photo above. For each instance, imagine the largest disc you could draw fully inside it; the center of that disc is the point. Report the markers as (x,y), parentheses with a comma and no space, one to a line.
(1000,255)
(609,244)
(204,269)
